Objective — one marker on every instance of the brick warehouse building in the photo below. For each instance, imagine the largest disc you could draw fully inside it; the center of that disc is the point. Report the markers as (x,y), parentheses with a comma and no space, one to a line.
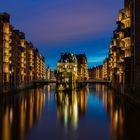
(124,52)
(20,63)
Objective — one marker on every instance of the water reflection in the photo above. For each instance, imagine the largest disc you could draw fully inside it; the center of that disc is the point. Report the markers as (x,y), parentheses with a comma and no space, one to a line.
(71,105)
(19,113)
(112,104)
(117,108)
(92,112)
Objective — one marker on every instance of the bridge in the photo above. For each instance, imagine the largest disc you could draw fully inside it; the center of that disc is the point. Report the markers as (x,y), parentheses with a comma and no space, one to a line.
(38,82)
(80,81)
(94,81)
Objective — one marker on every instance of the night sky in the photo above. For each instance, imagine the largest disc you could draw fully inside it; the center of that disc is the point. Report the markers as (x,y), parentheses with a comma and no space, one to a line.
(55,26)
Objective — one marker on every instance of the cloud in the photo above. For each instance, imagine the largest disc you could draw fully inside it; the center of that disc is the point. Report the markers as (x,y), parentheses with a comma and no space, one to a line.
(63,20)
(53,25)
(96,59)
(67,24)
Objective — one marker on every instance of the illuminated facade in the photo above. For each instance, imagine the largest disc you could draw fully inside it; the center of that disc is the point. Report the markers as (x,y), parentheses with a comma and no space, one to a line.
(124,48)
(91,73)
(117,68)
(30,62)
(105,70)
(67,71)
(23,68)
(72,68)
(40,68)
(15,61)
(5,48)
(71,106)
(82,67)
(120,49)
(20,63)
(48,73)
(96,73)
(124,59)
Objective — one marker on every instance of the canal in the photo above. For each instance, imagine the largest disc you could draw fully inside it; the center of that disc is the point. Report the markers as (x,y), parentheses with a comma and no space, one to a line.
(92,113)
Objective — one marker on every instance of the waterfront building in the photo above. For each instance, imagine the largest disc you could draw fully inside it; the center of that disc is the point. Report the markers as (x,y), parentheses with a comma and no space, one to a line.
(121,51)
(39,67)
(105,70)
(67,71)
(98,72)
(5,49)
(48,73)
(37,64)
(91,73)
(72,68)
(82,67)
(122,68)
(15,58)
(20,63)
(23,68)
(53,75)
(30,62)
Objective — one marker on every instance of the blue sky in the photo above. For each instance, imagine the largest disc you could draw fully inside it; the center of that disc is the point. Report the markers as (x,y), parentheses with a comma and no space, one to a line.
(55,26)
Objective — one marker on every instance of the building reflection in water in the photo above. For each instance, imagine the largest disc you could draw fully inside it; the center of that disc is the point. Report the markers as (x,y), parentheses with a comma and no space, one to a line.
(18,113)
(113,105)
(71,105)
(48,90)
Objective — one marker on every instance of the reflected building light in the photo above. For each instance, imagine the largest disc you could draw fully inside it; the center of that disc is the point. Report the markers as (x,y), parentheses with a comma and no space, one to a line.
(11,115)
(31,112)
(121,121)
(70,106)
(25,104)
(42,103)
(82,101)
(44,98)
(6,126)
(66,115)
(25,110)
(75,112)
(116,118)
(67,100)
(117,123)
(49,88)
(121,117)
(22,119)
(37,103)
(48,91)
(87,90)
(103,88)
(105,100)
(70,110)
(111,100)
(98,90)
(61,97)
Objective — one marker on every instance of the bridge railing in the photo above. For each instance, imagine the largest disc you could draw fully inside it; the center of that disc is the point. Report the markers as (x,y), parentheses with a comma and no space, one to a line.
(93,81)
(45,81)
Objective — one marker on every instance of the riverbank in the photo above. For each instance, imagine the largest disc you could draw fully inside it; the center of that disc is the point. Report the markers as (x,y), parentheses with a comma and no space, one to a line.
(8,89)
(132,97)
(95,107)
(118,91)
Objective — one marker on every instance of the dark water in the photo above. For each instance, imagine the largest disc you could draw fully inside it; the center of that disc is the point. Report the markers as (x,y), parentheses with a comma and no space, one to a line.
(92,113)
